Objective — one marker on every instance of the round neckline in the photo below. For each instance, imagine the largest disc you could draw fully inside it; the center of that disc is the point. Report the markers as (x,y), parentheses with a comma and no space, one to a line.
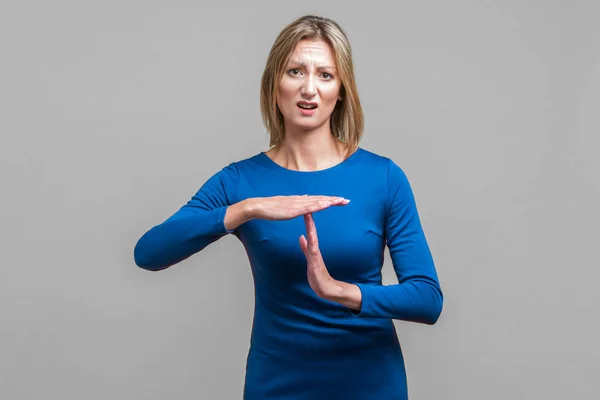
(333,167)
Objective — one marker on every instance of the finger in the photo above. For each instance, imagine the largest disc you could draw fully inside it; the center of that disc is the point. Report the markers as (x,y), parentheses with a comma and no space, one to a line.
(316,198)
(318,203)
(304,201)
(322,205)
(301,202)
(340,202)
(311,232)
(336,201)
(303,244)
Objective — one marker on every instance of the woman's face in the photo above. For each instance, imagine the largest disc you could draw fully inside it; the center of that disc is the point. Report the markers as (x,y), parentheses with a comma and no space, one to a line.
(310,86)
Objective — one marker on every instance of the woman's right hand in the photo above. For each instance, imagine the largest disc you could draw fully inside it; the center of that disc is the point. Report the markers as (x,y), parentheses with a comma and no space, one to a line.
(277,208)
(287,207)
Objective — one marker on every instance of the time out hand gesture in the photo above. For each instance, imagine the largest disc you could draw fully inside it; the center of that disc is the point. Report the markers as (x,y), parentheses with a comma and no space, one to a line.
(288,207)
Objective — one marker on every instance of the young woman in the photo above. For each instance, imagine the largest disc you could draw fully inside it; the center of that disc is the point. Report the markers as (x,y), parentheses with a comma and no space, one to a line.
(314,214)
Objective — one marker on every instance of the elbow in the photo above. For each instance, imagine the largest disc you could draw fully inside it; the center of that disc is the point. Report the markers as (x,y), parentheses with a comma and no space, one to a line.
(152,254)
(142,260)
(433,315)
(434,310)
(145,259)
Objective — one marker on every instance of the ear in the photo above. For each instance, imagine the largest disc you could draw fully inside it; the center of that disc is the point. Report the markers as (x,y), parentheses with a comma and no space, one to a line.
(342,93)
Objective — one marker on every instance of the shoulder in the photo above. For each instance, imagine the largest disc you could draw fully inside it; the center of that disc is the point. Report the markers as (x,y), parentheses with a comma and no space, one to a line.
(242,169)
(227,180)
(237,166)
(246,165)
(390,174)
(383,164)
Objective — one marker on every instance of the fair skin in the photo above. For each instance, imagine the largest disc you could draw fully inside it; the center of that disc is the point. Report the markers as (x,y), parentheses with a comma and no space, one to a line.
(308,145)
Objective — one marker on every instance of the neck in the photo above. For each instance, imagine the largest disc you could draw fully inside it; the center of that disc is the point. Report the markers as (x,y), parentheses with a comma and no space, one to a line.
(309,150)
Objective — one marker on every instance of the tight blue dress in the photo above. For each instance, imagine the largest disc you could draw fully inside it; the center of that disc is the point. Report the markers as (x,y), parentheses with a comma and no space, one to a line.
(303,347)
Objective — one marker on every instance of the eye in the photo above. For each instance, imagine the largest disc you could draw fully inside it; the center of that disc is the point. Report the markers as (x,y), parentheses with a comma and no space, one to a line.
(327,76)
(294,71)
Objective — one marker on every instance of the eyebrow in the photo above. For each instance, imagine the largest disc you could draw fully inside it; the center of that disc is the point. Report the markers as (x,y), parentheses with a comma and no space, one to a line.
(320,66)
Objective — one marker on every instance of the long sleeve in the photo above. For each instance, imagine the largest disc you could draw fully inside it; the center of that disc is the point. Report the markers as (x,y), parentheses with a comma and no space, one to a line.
(418,296)
(193,227)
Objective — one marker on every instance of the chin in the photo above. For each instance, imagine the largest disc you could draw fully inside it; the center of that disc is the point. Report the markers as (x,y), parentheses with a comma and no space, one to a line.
(308,126)
(308,123)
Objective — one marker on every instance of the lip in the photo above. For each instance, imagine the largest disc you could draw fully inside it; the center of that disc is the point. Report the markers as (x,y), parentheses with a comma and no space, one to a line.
(304,111)
(308,103)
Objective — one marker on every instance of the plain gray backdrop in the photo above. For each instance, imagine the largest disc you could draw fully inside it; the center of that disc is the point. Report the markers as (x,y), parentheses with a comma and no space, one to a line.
(114,113)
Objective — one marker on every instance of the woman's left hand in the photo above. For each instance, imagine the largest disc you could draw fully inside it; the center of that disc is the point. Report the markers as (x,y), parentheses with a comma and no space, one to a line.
(318,276)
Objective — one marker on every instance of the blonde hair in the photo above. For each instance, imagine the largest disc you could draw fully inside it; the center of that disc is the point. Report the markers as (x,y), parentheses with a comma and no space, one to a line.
(347,121)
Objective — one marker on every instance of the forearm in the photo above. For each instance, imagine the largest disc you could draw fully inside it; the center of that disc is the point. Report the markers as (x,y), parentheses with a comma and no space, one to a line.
(410,301)
(178,238)
(418,300)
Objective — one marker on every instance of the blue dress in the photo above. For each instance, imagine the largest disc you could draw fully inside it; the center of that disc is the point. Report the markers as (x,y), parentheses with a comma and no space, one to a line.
(303,347)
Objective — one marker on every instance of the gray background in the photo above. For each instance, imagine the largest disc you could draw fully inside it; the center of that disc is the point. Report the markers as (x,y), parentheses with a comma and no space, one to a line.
(114,113)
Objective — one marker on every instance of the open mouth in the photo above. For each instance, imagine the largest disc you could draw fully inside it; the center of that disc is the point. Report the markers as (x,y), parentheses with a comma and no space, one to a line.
(306,105)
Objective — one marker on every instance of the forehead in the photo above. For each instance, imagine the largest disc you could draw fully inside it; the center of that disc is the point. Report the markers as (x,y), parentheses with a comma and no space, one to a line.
(313,51)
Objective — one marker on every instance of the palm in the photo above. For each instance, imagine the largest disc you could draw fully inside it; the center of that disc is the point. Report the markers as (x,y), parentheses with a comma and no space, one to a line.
(318,276)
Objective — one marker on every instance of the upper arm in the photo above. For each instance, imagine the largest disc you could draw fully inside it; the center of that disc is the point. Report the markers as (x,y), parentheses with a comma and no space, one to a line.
(404,233)
(217,192)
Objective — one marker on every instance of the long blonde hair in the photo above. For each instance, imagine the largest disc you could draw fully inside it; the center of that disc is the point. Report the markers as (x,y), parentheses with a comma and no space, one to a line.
(347,121)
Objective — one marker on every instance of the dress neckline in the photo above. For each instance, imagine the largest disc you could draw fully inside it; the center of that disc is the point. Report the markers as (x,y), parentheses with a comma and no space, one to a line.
(269,161)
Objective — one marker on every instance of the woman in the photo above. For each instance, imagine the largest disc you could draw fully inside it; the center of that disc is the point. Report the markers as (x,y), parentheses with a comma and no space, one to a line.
(322,318)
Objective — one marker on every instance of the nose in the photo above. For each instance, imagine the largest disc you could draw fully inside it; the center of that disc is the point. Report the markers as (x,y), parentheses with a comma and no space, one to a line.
(309,89)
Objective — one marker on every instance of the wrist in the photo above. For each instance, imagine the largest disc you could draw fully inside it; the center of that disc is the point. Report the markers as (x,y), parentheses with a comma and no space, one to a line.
(249,207)
(347,294)
(236,215)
